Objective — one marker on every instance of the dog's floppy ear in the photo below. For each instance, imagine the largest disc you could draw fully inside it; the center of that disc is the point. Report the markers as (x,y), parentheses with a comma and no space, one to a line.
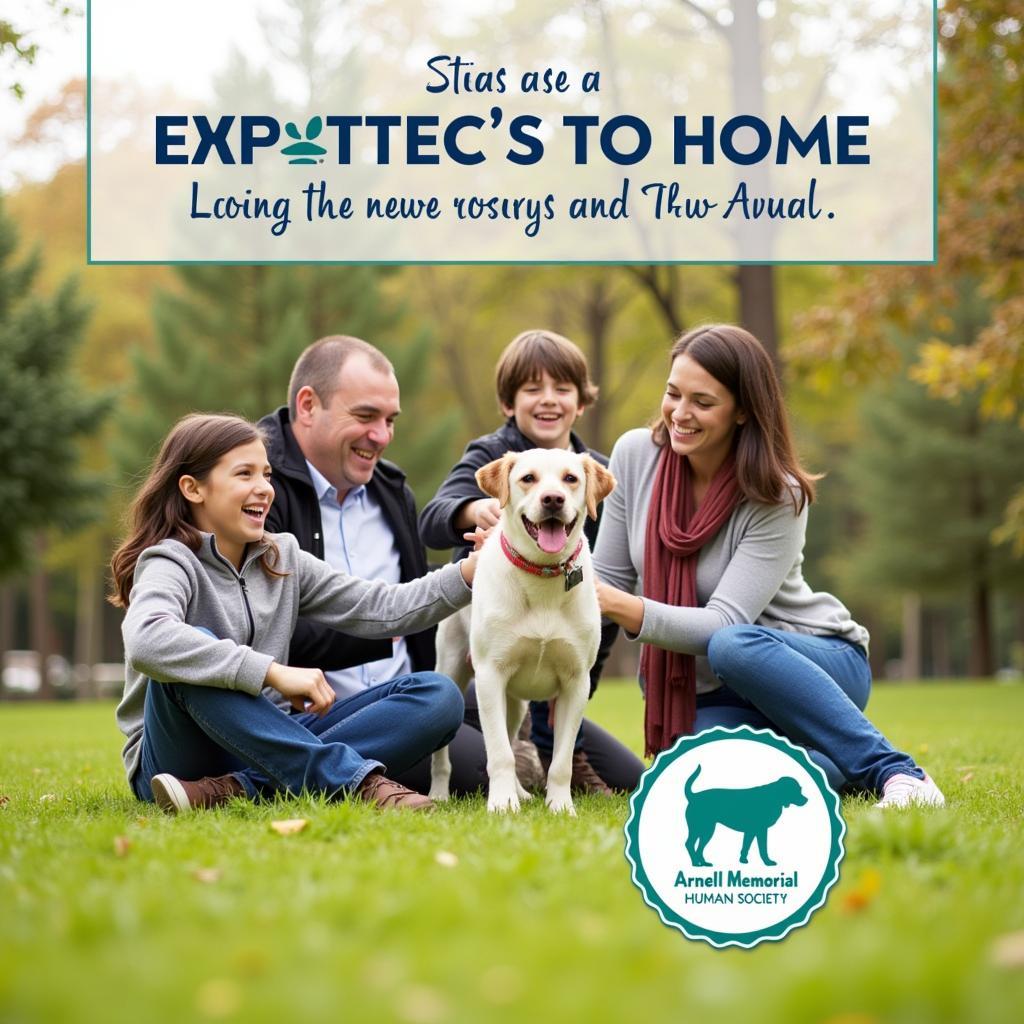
(600,483)
(492,479)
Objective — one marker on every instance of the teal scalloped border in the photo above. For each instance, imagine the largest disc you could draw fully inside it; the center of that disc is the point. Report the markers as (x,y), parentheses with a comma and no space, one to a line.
(745,940)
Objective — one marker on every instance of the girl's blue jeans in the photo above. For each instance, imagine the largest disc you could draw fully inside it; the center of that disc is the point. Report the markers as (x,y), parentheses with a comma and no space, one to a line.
(196,731)
(810,689)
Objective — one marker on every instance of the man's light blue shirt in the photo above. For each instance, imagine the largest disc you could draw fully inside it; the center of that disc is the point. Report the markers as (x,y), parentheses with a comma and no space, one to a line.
(359,541)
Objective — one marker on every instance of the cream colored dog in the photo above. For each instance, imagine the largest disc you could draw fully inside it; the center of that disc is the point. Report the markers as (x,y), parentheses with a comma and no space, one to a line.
(534,622)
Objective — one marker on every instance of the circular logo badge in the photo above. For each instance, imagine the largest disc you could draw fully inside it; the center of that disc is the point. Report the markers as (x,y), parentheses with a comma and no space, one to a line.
(734,836)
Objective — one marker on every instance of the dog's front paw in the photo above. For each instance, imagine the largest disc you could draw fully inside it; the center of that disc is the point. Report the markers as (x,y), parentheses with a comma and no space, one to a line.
(502,799)
(559,801)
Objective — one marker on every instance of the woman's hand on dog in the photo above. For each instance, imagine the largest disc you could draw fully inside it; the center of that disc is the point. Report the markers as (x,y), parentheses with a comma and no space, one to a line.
(306,689)
(627,610)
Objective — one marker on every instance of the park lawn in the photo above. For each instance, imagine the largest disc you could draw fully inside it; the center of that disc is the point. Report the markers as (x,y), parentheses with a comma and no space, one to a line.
(112,912)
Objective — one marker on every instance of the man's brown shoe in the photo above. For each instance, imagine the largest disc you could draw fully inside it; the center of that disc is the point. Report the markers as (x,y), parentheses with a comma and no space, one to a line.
(388,795)
(176,796)
(584,778)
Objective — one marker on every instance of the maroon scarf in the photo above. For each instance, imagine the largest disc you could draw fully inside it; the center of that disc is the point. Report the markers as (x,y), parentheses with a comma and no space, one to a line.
(670,576)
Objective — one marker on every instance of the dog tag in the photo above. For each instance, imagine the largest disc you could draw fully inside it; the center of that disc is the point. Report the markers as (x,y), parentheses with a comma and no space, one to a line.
(573,577)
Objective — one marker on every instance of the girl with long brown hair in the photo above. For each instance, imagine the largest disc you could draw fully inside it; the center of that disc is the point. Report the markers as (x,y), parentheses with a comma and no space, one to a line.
(708,522)
(211,708)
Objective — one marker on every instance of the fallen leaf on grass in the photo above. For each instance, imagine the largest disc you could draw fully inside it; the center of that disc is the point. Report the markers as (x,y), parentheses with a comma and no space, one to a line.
(218,997)
(250,962)
(1008,950)
(967,777)
(379,971)
(419,1004)
(446,858)
(47,798)
(863,893)
(501,984)
(4,800)
(592,928)
(207,875)
(854,902)
(289,826)
(122,844)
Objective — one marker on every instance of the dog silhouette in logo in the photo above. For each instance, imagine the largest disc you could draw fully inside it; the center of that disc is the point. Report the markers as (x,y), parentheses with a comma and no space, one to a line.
(750,811)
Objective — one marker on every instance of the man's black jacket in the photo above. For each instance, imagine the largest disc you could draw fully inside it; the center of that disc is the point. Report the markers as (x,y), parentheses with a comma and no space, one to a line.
(296,510)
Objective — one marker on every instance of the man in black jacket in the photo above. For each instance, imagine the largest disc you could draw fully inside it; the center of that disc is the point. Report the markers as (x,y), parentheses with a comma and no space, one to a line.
(343,441)
(350,507)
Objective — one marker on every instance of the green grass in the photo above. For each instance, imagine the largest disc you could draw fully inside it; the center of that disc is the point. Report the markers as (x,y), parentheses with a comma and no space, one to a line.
(354,919)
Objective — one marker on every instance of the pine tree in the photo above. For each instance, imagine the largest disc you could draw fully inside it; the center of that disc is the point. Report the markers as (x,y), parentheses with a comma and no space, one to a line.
(43,410)
(227,342)
(423,435)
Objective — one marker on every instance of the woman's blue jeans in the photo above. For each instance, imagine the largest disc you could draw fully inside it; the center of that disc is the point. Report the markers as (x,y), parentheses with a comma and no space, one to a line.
(197,731)
(810,689)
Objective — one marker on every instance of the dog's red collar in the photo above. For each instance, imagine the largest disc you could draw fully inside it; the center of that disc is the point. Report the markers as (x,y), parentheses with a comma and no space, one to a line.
(547,571)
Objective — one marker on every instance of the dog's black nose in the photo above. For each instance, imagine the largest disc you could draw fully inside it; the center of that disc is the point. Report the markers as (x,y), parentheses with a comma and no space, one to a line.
(553,501)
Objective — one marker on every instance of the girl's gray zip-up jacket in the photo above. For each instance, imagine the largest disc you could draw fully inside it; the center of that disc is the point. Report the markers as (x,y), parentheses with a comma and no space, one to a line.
(252,614)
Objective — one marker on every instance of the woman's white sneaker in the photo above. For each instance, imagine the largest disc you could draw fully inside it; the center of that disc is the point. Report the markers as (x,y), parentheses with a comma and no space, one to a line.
(906,791)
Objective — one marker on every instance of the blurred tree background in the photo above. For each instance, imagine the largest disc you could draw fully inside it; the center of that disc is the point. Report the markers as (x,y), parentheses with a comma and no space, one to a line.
(906,383)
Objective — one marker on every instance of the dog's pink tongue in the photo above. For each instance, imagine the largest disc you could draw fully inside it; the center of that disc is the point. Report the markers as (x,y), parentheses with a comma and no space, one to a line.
(551,536)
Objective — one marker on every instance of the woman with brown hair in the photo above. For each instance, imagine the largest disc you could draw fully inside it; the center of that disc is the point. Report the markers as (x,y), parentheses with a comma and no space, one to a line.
(707,523)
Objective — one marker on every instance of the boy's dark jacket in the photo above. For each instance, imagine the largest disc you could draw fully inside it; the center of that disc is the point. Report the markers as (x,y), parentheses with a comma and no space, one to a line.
(437,520)
(296,510)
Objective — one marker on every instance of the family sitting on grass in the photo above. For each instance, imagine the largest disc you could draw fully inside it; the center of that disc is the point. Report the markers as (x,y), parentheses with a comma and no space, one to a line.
(279,613)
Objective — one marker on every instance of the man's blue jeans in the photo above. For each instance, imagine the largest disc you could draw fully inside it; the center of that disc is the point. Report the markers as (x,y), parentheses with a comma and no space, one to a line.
(811,689)
(196,731)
